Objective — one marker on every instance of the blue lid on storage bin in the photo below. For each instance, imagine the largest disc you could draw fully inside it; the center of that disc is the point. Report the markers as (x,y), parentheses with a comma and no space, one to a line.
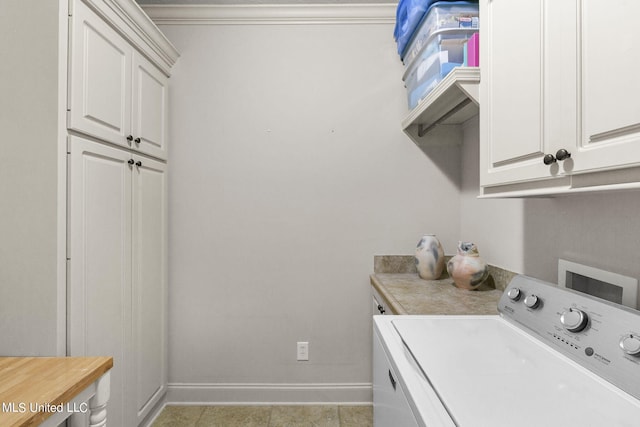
(409,15)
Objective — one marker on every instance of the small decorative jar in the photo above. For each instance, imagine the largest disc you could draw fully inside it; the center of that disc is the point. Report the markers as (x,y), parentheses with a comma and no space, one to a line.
(429,257)
(467,269)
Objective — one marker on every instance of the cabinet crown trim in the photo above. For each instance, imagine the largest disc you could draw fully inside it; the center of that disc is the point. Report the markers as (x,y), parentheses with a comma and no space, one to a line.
(136,26)
(273,14)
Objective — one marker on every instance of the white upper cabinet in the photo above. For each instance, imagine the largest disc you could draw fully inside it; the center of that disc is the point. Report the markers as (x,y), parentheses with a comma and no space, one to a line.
(609,131)
(100,79)
(116,94)
(557,85)
(512,104)
(149,118)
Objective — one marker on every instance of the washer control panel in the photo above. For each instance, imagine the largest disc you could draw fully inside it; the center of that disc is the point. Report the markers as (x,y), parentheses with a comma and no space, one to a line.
(602,336)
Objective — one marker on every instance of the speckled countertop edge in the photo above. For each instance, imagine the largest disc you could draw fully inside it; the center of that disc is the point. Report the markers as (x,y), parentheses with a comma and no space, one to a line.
(391,302)
(404,292)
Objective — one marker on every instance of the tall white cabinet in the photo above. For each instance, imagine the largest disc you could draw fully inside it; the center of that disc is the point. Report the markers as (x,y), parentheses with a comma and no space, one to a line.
(117,271)
(558,88)
(117,217)
(87,106)
(100,264)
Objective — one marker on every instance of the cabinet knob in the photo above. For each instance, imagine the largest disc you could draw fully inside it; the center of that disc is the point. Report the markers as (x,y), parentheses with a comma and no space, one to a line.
(562,154)
(137,140)
(129,138)
(131,161)
(549,159)
(138,163)
(381,309)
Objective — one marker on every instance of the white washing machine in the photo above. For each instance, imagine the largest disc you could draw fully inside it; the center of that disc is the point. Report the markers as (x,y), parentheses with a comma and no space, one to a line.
(552,357)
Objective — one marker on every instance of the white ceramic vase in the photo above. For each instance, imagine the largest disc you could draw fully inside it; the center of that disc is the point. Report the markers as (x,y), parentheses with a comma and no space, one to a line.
(467,269)
(429,257)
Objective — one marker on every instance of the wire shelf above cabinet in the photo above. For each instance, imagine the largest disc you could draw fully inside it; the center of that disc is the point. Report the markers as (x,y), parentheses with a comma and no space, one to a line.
(437,118)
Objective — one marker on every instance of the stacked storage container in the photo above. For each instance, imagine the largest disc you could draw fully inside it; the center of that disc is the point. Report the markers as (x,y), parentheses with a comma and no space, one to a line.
(445,38)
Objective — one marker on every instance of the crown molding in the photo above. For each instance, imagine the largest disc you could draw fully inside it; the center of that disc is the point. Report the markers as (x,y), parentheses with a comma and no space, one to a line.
(133,24)
(272,14)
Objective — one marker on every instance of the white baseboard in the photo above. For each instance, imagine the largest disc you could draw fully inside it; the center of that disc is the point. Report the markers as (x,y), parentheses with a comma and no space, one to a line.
(269,394)
(154,413)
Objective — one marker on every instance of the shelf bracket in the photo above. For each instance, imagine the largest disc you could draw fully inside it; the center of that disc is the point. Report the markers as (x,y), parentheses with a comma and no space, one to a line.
(423,130)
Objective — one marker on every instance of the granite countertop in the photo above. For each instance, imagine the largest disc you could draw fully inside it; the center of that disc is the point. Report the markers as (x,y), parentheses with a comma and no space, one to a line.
(405,292)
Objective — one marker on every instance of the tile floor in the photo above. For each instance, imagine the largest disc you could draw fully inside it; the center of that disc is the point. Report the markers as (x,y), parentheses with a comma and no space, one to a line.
(265,416)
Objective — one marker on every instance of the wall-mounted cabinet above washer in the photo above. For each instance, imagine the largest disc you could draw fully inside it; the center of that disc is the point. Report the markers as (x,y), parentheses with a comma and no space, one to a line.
(560,111)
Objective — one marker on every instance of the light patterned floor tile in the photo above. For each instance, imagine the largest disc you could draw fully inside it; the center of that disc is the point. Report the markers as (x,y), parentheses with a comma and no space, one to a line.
(228,416)
(179,416)
(356,416)
(304,416)
(266,416)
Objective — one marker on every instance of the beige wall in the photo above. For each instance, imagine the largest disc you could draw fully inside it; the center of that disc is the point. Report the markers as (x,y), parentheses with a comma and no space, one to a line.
(288,173)
(30,300)
(495,225)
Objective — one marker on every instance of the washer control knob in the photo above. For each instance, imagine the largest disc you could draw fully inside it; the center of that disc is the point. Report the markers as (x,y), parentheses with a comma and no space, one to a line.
(514,294)
(532,301)
(630,344)
(574,320)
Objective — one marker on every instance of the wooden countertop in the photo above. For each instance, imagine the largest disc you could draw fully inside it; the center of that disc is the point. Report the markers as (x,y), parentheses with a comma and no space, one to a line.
(407,293)
(42,381)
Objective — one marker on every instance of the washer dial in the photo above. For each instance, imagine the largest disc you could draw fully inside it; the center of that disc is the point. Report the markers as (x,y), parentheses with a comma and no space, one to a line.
(532,301)
(514,294)
(574,320)
(630,344)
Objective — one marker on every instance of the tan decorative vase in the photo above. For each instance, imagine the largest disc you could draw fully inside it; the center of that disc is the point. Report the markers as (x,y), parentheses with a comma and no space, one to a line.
(429,257)
(467,269)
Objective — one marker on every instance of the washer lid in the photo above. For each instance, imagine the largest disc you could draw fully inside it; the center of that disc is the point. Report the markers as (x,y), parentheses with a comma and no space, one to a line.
(488,372)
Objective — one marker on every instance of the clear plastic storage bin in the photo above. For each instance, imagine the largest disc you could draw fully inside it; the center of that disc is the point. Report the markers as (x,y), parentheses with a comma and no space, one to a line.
(440,16)
(443,52)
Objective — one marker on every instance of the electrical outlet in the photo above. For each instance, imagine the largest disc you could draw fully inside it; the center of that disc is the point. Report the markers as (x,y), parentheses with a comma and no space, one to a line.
(303,350)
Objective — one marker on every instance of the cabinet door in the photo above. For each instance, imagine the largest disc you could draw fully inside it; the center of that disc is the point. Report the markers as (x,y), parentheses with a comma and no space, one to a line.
(100,80)
(516,91)
(100,264)
(149,282)
(609,85)
(511,113)
(150,101)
